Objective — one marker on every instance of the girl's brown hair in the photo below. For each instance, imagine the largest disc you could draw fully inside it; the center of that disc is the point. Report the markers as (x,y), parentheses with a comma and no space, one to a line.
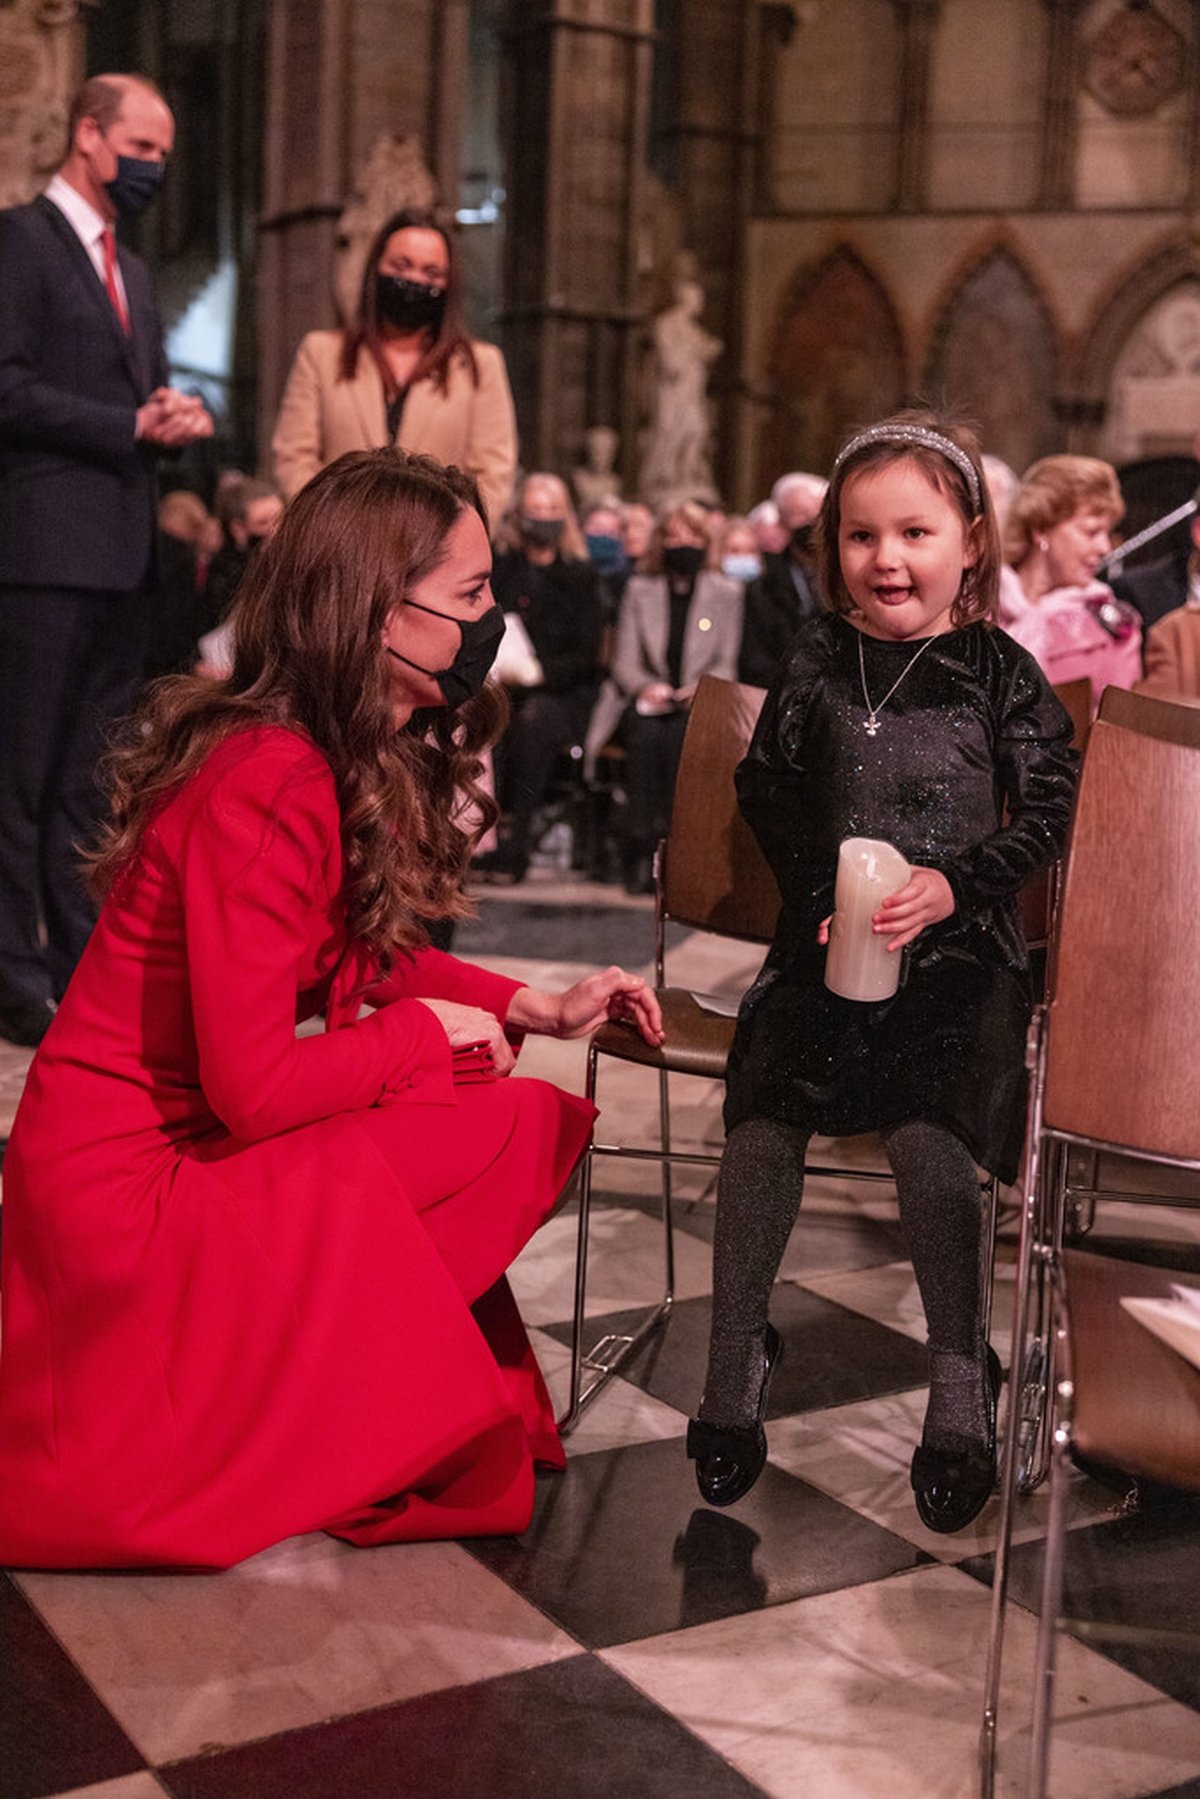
(308,656)
(451,339)
(977,597)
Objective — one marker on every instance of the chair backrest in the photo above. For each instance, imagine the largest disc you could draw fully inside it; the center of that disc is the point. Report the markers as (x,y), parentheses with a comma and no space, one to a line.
(1123,1043)
(714,876)
(1177,720)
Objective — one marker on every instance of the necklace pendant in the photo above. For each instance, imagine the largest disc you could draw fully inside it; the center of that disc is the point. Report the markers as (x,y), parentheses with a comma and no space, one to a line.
(872,724)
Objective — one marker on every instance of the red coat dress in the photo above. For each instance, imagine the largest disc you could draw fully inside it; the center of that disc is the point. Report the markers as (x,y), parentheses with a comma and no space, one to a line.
(253,1283)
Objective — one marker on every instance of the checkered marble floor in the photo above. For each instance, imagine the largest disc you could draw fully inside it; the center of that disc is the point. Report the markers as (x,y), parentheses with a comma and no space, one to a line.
(813,1641)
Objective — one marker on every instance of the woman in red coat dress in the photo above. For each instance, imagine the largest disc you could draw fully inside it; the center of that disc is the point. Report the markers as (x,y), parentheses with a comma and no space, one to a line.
(253,1283)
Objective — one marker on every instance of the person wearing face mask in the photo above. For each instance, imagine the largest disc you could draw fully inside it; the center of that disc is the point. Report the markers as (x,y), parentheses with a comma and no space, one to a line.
(606,552)
(404,371)
(678,622)
(254,1280)
(249,511)
(84,405)
(787,588)
(740,556)
(1058,528)
(548,583)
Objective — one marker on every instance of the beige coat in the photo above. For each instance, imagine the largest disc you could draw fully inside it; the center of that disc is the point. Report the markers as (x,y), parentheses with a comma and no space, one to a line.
(321,417)
(1173,655)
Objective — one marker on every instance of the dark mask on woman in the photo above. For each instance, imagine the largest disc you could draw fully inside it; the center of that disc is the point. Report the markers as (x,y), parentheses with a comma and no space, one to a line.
(544,532)
(480,638)
(409,305)
(684,560)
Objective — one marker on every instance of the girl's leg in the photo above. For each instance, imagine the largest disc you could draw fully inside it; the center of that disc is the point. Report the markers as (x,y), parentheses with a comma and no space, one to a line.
(941,1211)
(758,1197)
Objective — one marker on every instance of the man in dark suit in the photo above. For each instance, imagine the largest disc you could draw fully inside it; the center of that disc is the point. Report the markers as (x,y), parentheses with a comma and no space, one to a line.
(84,405)
(786,591)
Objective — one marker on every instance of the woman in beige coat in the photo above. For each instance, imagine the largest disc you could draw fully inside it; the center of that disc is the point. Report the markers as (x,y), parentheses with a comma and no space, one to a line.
(404,372)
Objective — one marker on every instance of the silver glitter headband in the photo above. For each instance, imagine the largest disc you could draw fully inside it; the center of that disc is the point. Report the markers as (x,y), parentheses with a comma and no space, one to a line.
(924,439)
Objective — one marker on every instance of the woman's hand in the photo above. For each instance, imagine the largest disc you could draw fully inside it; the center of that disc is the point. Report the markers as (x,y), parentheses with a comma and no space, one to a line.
(470,1024)
(925,899)
(587,1005)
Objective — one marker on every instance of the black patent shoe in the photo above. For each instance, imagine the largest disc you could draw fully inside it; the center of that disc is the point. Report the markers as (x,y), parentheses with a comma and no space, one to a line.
(951,1490)
(730,1458)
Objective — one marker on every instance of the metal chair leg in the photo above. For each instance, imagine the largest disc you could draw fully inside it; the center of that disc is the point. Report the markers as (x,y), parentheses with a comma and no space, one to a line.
(1052,1581)
(612,1351)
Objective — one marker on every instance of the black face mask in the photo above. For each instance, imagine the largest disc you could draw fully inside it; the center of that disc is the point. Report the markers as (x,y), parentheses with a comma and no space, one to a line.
(684,560)
(801,539)
(480,639)
(134,185)
(544,532)
(409,305)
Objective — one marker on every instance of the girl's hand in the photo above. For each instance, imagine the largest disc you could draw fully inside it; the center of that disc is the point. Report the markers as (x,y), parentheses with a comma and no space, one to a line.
(823,930)
(925,899)
(587,1005)
(470,1024)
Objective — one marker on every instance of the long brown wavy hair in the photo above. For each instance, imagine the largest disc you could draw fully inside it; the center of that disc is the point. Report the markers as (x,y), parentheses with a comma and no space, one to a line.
(365,331)
(307,623)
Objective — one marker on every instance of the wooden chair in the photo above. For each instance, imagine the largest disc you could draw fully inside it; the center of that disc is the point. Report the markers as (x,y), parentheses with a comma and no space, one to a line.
(710,875)
(1114,1056)
(1122,1399)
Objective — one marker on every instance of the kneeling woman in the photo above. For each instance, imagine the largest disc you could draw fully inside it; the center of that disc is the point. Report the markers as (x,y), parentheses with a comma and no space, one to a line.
(254,1282)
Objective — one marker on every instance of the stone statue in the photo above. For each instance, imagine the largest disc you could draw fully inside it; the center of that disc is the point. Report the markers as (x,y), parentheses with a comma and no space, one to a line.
(677,460)
(393,177)
(595,480)
(39,55)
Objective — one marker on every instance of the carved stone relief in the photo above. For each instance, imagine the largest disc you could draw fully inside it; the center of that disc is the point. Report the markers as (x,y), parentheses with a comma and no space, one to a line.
(1154,397)
(39,66)
(394,176)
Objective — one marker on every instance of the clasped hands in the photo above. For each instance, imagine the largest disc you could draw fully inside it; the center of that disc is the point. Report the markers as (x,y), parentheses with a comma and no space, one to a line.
(171,419)
(926,898)
(577,1012)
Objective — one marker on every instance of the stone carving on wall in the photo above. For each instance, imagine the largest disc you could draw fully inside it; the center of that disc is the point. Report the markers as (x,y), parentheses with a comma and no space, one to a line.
(677,447)
(39,64)
(1154,397)
(838,362)
(394,176)
(993,358)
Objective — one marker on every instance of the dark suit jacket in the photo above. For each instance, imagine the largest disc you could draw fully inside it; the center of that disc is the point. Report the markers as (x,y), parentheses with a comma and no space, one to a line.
(775,604)
(77,492)
(1155,588)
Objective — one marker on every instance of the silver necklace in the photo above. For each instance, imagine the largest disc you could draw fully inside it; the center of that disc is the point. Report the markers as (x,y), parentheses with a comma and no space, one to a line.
(872,724)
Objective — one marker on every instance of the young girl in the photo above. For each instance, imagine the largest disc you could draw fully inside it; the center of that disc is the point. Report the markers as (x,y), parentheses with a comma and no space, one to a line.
(902,715)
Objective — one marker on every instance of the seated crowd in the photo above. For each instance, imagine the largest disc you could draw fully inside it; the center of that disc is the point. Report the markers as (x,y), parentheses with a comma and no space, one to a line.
(612,617)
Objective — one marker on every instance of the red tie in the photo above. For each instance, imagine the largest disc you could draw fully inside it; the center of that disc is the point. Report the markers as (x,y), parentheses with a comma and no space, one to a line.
(110,279)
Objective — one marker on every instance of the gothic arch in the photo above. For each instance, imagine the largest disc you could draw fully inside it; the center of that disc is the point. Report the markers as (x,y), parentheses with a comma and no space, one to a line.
(994,355)
(1128,302)
(838,359)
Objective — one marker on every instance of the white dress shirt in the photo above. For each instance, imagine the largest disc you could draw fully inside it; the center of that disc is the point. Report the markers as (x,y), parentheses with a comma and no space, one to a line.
(88,226)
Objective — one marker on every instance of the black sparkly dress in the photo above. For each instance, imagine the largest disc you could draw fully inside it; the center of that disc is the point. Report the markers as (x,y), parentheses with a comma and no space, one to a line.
(970,772)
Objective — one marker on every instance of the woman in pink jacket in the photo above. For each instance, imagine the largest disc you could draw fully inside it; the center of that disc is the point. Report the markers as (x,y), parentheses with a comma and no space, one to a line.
(1058,530)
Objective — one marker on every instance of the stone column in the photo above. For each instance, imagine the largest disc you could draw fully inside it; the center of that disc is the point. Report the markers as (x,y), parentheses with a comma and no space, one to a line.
(41,64)
(918,24)
(717,153)
(1060,111)
(340,74)
(577,90)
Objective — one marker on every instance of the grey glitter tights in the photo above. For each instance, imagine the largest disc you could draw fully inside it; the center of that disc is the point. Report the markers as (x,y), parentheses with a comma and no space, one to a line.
(758,1198)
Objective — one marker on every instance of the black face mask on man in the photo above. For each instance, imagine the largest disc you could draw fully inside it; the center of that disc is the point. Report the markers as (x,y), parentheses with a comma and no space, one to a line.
(134,185)
(544,533)
(480,638)
(409,305)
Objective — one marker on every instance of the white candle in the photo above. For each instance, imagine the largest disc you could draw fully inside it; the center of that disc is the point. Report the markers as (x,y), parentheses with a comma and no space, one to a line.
(859,964)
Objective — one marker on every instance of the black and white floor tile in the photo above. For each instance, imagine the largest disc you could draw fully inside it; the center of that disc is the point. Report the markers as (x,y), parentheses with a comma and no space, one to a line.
(814,1641)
